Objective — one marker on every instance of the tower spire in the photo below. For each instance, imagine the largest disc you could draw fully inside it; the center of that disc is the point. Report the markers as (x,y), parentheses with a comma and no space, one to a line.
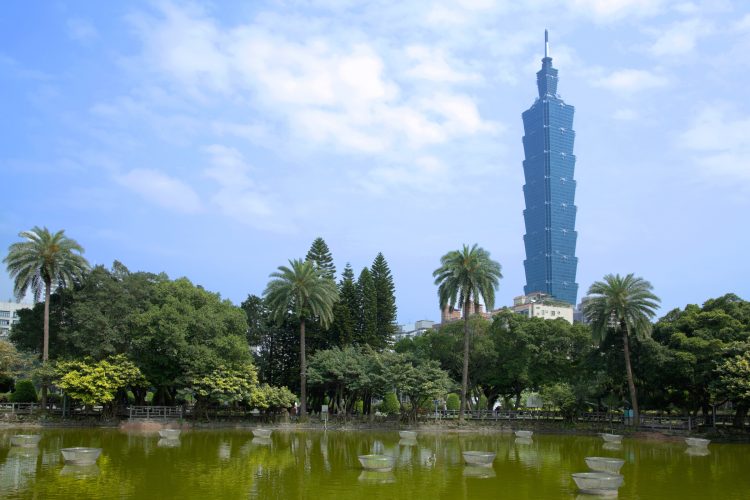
(546,44)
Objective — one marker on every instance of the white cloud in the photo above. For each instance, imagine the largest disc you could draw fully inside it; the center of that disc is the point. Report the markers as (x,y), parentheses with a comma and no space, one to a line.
(630,81)
(238,195)
(626,114)
(681,38)
(424,174)
(610,10)
(329,91)
(721,145)
(431,64)
(81,30)
(161,189)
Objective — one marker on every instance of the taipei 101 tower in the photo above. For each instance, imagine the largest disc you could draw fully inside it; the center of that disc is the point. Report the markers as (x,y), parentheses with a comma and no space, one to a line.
(549,192)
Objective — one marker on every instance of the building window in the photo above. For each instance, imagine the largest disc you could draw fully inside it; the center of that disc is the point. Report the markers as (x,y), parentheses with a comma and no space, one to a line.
(4,322)
(4,314)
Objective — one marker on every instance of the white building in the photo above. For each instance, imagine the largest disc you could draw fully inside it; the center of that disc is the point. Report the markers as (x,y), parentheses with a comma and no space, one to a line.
(411,330)
(9,316)
(541,305)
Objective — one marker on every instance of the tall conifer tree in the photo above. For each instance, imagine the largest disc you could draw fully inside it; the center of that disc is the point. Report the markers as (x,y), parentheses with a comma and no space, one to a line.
(346,311)
(385,296)
(367,308)
(321,256)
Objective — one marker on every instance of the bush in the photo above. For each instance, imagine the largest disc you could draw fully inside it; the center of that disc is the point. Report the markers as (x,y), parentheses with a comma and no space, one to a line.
(453,402)
(4,397)
(25,392)
(390,405)
(359,407)
(482,405)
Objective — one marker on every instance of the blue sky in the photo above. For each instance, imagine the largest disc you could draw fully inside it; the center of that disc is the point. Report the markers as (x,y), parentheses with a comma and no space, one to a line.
(217,140)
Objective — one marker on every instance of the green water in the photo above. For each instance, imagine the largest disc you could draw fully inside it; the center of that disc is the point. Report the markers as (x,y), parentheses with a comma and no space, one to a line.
(232,464)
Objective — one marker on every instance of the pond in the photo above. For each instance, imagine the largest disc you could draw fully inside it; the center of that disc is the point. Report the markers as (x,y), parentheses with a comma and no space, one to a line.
(231,464)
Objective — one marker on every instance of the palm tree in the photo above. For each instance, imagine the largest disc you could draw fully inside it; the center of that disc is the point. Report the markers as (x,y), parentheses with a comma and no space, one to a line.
(303,291)
(623,305)
(40,261)
(462,278)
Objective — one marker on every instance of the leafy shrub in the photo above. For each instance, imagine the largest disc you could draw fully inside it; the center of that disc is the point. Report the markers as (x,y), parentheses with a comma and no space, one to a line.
(390,404)
(482,404)
(453,402)
(4,397)
(359,407)
(25,392)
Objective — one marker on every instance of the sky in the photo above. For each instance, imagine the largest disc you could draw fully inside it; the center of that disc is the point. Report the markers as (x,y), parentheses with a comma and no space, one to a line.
(217,140)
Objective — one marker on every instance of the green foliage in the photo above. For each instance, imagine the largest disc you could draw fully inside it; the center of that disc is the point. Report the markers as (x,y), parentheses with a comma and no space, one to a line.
(390,405)
(44,258)
(359,407)
(385,302)
(464,277)
(320,255)
(367,317)
(226,385)
(98,382)
(734,379)
(303,290)
(690,345)
(453,402)
(5,397)
(560,396)
(482,403)
(266,397)
(25,392)
(346,311)
(10,360)
(624,305)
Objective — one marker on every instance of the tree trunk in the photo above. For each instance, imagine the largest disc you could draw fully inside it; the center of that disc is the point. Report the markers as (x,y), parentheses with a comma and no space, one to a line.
(45,340)
(739,416)
(629,372)
(465,374)
(302,371)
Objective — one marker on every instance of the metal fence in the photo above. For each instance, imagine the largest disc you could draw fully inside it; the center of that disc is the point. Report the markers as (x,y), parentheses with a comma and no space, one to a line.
(162,412)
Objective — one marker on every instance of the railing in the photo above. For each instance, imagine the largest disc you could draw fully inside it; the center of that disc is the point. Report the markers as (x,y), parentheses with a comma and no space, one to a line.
(162,412)
(20,408)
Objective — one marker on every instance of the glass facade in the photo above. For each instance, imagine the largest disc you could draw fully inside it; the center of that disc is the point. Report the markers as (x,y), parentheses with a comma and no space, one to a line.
(549,192)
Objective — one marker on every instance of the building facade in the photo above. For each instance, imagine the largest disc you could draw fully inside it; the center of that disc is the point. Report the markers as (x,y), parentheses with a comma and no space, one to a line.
(411,330)
(9,316)
(541,305)
(549,192)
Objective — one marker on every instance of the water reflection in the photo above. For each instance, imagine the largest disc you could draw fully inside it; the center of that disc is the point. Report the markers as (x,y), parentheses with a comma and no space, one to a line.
(479,472)
(80,470)
(695,451)
(307,464)
(168,443)
(612,446)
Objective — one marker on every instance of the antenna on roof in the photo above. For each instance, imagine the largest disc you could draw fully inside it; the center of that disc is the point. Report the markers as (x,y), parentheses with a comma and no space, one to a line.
(546,44)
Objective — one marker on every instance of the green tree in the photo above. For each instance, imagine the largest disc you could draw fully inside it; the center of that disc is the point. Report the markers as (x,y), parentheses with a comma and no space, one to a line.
(25,392)
(346,311)
(320,255)
(10,360)
(367,317)
(734,384)
(98,382)
(41,260)
(623,305)
(385,300)
(465,276)
(226,385)
(301,291)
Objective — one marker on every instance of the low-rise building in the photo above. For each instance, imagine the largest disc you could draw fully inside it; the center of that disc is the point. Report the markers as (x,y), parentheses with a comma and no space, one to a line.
(541,305)
(9,316)
(411,330)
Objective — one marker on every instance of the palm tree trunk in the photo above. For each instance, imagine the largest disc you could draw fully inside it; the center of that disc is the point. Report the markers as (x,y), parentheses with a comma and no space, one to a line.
(465,374)
(45,339)
(629,371)
(302,371)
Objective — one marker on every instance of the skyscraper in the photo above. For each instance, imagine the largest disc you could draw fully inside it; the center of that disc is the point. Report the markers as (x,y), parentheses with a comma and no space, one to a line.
(549,192)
